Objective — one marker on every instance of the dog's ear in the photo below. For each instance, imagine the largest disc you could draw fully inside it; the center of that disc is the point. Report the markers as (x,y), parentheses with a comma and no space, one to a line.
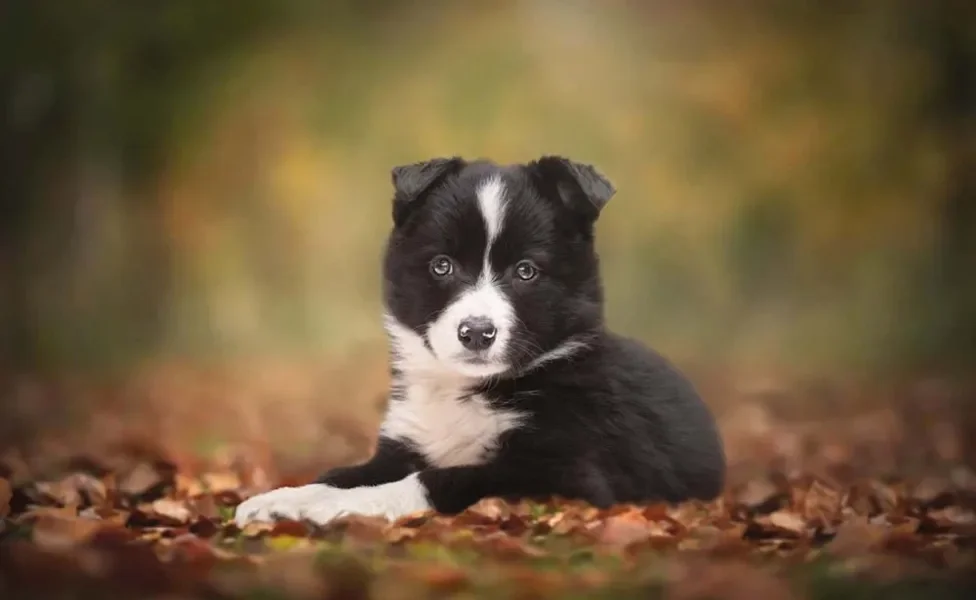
(579,186)
(411,182)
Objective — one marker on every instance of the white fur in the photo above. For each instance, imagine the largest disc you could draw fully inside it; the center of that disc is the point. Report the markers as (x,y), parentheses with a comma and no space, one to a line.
(321,503)
(483,299)
(285,502)
(564,350)
(447,428)
(491,200)
(435,412)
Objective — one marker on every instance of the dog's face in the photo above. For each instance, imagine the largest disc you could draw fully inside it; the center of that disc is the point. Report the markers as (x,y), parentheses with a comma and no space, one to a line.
(490,269)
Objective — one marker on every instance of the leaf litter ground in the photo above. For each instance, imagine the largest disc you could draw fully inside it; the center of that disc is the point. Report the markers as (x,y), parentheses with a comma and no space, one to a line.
(139,522)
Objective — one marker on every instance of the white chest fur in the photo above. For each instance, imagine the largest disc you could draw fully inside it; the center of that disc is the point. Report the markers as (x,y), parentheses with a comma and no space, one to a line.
(447,427)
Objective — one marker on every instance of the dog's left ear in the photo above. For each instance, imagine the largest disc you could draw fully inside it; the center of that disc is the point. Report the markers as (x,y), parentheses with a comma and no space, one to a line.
(579,186)
(411,182)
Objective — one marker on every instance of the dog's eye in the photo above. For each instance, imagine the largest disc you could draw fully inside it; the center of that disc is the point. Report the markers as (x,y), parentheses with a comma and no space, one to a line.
(526,270)
(441,266)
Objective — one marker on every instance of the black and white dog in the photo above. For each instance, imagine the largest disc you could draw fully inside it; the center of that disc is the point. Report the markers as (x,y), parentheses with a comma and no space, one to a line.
(505,380)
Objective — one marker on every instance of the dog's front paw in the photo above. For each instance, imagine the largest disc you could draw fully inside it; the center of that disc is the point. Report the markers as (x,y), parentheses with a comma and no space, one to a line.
(321,504)
(390,500)
(284,503)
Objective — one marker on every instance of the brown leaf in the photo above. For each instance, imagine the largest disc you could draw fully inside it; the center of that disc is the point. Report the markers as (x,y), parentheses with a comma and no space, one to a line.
(171,511)
(762,496)
(788,520)
(58,493)
(625,530)
(756,491)
(256,529)
(208,483)
(60,528)
(932,492)
(955,519)
(195,556)
(488,510)
(821,504)
(140,480)
(280,527)
(855,537)
(217,483)
(205,506)
(514,525)
(718,542)
(862,500)
(6,493)
(563,523)
(397,535)
(106,514)
(656,512)
(361,528)
(782,523)
(77,489)
(228,498)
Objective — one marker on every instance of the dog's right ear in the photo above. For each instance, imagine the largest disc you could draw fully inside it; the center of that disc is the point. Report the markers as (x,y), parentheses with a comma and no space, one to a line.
(411,182)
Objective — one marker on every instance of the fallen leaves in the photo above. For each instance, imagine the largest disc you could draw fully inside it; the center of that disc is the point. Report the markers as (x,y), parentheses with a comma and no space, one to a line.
(173,529)
(59,528)
(147,523)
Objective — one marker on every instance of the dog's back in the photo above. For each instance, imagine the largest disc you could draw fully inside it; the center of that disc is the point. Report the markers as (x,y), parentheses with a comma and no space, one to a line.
(631,418)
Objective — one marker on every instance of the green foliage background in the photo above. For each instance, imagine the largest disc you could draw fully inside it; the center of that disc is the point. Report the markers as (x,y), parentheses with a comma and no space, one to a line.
(796,179)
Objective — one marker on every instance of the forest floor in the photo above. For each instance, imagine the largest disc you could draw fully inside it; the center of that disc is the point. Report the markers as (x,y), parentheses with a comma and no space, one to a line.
(834,491)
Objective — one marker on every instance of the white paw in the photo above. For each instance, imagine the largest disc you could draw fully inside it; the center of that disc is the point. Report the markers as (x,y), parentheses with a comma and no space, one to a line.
(390,500)
(321,503)
(283,503)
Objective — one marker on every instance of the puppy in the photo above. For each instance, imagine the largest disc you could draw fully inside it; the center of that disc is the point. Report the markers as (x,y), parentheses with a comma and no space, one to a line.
(505,379)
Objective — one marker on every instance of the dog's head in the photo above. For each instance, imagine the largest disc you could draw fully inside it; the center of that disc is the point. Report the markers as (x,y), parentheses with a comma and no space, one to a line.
(491,269)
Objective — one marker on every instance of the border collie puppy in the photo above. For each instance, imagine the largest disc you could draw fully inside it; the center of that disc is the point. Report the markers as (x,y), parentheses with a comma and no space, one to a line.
(505,380)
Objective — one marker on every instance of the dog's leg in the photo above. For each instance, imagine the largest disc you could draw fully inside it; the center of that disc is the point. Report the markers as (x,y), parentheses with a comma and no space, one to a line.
(392,461)
(451,490)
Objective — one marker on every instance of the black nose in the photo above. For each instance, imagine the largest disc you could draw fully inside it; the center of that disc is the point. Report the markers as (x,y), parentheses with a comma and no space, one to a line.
(477,333)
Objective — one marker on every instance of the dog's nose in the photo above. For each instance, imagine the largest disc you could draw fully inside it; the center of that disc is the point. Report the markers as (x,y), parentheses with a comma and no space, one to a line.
(477,333)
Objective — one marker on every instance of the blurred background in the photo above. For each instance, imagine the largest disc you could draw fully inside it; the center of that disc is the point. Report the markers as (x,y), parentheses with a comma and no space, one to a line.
(195,197)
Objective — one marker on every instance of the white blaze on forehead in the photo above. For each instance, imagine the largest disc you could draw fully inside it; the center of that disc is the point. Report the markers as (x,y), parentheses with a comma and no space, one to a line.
(491,200)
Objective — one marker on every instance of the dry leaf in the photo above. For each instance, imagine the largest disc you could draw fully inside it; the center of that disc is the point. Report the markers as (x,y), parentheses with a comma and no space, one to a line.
(757,493)
(173,511)
(226,481)
(787,521)
(821,504)
(488,510)
(61,529)
(140,480)
(856,537)
(6,493)
(624,530)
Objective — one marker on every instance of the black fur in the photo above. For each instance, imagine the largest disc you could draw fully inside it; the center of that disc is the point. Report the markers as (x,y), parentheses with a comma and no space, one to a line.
(612,422)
